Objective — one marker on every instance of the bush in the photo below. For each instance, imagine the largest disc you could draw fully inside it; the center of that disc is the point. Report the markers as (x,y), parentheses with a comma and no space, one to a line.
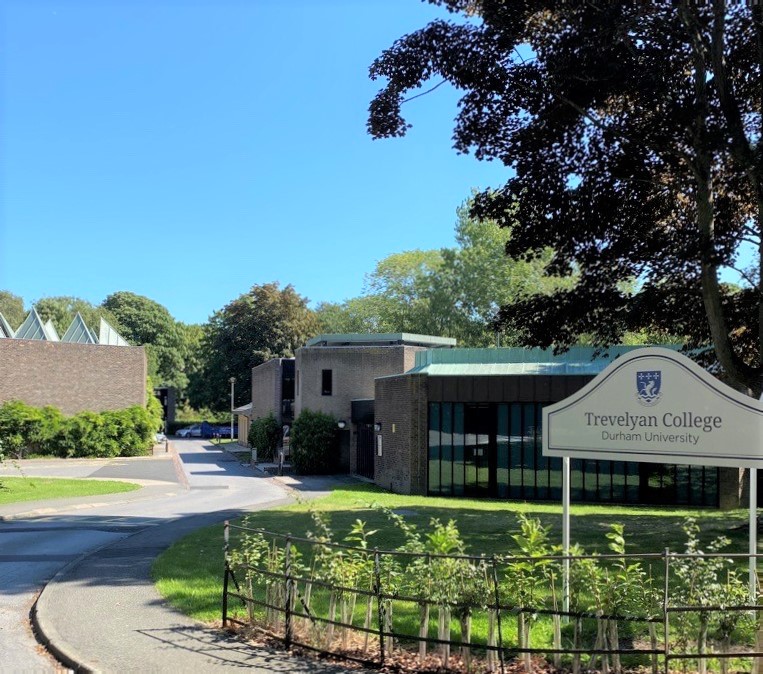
(25,429)
(315,443)
(265,435)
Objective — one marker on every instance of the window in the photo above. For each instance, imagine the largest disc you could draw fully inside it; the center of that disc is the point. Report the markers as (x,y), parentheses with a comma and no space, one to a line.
(326,383)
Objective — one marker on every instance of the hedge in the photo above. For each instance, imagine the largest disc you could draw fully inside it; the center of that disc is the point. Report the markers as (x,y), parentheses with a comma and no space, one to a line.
(315,443)
(28,430)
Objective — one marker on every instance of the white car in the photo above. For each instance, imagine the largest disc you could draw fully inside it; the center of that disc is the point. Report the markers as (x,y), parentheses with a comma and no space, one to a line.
(189,431)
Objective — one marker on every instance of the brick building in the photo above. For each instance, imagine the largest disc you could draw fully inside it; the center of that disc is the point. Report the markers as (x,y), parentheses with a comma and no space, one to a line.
(418,418)
(74,373)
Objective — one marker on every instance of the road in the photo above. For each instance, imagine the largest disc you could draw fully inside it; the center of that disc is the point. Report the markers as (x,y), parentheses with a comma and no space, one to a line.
(37,539)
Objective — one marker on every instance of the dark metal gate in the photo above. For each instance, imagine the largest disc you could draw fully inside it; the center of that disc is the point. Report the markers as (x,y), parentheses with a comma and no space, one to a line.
(365,465)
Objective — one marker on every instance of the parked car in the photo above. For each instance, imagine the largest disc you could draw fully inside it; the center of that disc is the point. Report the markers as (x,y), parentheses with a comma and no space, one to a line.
(224,431)
(189,431)
(159,437)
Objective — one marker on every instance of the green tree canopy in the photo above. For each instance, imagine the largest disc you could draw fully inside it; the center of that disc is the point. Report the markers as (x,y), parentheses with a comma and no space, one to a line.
(633,131)
(266,322)
(451,292)
(12,307)
(143,321)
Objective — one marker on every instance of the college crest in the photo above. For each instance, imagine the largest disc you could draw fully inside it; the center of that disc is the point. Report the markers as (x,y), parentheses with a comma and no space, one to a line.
(648,385)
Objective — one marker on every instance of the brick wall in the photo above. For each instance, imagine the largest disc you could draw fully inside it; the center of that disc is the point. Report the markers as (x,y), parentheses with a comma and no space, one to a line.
(72,377)
(401,408)
(266,390)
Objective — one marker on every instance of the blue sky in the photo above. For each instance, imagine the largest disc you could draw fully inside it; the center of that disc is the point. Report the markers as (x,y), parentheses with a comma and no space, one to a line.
(188,150)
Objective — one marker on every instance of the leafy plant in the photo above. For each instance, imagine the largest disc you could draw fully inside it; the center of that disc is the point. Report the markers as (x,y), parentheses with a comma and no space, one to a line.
(264,436)
(314,443)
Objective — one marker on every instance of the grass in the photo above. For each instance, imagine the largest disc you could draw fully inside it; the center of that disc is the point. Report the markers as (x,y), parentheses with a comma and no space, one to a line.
(189,574)
(17,489)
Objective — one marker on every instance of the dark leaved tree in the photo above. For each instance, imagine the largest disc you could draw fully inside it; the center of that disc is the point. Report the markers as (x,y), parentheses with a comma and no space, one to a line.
(633,131)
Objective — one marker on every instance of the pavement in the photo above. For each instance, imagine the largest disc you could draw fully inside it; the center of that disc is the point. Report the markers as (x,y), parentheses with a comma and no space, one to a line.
(99,610)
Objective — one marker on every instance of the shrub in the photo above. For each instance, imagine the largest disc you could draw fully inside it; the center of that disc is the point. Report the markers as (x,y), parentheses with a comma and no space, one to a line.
(315,443)
(25,429)
(265,435)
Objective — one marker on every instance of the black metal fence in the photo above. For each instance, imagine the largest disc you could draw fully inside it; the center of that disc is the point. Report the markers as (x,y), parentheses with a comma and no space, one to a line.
(280,592)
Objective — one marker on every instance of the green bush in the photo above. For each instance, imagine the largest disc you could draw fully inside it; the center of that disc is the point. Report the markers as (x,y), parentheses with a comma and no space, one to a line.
(265,435)
(25,429)
(315,443)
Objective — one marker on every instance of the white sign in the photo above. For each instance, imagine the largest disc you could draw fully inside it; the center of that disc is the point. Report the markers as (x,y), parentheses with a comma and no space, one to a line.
(658,406)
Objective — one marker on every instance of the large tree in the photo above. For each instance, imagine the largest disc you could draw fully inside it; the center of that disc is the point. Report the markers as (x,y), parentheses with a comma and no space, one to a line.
(450,292)
(633,133)
(266,322)
(143,321)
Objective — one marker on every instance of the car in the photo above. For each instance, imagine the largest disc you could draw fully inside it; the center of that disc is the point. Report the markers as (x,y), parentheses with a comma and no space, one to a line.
(224,431)
(189,431)
(159,437)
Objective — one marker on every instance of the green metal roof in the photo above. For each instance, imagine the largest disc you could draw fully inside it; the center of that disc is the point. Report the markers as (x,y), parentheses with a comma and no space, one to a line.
(386,338)
(578,360)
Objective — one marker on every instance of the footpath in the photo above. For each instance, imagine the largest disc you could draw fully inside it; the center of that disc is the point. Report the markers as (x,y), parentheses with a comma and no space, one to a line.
(102,613)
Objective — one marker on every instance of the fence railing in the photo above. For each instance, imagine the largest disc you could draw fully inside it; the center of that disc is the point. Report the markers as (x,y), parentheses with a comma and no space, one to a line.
(281,592)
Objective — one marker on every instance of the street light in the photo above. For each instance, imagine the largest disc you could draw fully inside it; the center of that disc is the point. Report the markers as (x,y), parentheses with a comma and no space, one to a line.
(232,381)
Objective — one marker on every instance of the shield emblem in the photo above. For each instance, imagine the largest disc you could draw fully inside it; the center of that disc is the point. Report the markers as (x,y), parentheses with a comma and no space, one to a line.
(648,385)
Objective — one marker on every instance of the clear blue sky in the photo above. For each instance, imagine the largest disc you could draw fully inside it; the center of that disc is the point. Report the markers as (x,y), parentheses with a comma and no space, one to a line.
(188,150)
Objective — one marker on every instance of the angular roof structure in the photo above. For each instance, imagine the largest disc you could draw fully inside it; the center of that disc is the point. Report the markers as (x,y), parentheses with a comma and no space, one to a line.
(78,332)
(34,328)
(50,331)
(108,335)
(6,331)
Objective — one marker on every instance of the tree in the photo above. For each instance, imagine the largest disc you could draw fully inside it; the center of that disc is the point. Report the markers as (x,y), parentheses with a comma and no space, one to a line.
(451,292)
(633,132)
(12,307)
(62,310)
(267,322)
(144,322)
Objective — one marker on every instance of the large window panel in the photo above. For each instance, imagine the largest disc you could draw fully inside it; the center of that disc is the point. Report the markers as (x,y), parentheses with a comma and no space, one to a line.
(458,449)
(515,453)
(434,448)
(446,449)
(502,451)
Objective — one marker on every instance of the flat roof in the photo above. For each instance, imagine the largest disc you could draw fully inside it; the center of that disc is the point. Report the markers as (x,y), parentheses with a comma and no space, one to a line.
(384,339)
(579,360)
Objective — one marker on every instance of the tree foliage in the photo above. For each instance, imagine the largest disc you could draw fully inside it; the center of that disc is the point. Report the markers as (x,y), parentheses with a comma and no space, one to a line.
(266,322)
(451,292)
(12,307)
(633,134)
(143,321)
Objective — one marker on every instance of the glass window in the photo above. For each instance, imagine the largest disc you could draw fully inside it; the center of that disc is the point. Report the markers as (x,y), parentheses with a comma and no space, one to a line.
(327,384)
(515,453)
(446,449)
(434,448)
(458,449)
(502,451)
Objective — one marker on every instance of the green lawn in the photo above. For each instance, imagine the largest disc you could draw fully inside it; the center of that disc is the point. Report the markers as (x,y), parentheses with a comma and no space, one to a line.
(189,574)
(15,489)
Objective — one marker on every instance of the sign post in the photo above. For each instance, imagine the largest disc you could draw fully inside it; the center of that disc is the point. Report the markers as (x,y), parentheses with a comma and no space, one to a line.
(656,405)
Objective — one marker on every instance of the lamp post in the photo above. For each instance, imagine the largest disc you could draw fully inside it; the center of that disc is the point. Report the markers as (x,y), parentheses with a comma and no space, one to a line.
(232,381)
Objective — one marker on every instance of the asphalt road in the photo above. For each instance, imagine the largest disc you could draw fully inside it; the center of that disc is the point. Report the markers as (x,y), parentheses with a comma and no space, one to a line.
(38,539)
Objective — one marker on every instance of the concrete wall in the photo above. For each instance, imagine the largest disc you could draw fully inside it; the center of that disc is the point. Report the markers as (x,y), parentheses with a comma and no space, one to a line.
(72,377)
(266,390)
(401,408)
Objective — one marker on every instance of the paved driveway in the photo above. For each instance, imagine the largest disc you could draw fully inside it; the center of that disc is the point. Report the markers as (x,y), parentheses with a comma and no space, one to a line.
(38,539)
